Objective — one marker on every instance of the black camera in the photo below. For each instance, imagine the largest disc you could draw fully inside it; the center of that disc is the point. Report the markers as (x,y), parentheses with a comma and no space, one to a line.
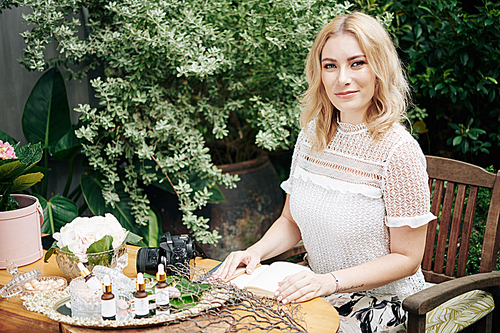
(174,252)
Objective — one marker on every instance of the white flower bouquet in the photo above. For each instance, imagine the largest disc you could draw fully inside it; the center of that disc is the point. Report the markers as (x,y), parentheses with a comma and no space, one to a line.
(97,240)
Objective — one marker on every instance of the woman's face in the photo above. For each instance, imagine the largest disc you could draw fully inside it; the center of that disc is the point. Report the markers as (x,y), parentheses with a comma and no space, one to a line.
(348,79)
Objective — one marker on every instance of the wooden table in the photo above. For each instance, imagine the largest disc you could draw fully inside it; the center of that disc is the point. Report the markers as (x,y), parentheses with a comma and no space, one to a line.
(319,316)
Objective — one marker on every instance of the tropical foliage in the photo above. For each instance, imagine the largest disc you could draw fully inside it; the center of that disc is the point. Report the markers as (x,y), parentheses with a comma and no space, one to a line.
(186,84)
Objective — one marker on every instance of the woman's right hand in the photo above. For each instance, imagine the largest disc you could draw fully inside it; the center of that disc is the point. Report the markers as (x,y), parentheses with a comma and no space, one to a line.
(236,259)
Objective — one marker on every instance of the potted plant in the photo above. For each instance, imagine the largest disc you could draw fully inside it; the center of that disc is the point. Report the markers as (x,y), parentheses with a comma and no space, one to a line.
(186,86)
(20,214)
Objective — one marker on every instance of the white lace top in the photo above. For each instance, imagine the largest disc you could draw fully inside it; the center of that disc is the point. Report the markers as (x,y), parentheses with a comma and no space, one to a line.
(345,199)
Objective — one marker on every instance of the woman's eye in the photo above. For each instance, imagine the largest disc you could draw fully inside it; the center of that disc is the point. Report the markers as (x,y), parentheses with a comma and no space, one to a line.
(329,66)
(358,63)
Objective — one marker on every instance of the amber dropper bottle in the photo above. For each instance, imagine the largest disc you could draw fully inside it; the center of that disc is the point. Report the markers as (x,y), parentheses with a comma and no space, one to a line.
(141,303)
(90,279)
(108,302)
(161,292)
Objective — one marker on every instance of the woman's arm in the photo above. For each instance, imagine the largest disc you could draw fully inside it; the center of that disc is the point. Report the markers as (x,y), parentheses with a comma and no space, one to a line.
(407,248)
(281,236)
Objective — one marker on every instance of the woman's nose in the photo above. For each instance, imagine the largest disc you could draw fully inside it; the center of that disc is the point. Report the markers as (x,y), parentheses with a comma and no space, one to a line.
(344,77)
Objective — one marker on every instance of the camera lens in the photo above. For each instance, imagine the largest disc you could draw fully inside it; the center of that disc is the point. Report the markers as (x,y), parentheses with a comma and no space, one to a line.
(147,260)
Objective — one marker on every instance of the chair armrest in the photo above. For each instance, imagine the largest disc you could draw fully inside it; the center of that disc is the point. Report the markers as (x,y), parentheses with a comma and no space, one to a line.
(425,300)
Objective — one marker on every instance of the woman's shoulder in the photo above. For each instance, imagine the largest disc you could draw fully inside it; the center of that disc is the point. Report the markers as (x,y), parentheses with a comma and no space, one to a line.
(396,135)
(402,145)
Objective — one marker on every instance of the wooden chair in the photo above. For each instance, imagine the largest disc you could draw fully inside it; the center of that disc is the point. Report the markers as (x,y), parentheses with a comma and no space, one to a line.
(454,187)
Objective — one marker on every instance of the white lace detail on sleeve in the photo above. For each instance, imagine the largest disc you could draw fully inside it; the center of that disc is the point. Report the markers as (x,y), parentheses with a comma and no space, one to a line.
(406,188)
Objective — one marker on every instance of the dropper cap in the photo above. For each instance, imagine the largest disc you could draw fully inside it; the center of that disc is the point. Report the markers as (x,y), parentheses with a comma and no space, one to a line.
(83,270)
(160,275)
(106,285)
(140,285)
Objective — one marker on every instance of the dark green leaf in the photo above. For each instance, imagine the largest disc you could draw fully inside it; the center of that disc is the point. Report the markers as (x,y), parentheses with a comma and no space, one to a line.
(4,137)
(457,140)
(57,212)
(49,252)
(464,58)
(67,147)
(153,230)
(92,191)
(46,116)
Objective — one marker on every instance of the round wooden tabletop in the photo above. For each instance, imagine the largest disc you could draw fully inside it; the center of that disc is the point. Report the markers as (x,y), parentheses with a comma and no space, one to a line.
(317,314)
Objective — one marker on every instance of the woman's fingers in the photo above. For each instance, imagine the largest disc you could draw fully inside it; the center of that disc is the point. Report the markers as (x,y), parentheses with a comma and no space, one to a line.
(235,260)
(301,287)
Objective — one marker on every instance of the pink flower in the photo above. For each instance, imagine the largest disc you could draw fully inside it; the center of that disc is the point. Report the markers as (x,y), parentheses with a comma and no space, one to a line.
(6,151)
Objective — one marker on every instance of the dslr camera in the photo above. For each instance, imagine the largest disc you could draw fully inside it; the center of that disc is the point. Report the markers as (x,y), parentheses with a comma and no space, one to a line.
(174,252)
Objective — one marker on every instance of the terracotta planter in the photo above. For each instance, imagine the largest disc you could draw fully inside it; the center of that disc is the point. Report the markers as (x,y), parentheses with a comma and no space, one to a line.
(20,238)
(250,209)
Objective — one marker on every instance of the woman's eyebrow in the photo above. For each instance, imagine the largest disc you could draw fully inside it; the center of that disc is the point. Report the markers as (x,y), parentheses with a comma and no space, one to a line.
(348,59)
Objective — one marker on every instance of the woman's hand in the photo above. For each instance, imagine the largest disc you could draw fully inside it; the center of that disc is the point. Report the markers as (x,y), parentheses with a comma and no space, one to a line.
(304,286)
(236,259)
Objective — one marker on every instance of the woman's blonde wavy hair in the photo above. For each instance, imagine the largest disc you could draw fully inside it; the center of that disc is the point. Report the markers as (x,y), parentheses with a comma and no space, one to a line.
(392,93)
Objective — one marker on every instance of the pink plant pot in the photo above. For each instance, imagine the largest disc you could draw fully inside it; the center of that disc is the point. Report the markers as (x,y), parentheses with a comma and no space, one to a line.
(20,238)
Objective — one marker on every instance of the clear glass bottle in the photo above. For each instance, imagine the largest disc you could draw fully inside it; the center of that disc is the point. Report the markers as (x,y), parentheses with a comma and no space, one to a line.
(108,301)
(161,292)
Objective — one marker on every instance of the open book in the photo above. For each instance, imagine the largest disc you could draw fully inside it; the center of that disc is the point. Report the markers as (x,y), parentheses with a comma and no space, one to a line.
(264,279)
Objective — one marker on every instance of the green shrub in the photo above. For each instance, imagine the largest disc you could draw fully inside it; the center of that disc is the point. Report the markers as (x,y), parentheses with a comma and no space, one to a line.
(453,60)
(187,84)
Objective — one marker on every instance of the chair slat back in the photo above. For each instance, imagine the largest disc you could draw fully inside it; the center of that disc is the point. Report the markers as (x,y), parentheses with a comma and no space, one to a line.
(454,187)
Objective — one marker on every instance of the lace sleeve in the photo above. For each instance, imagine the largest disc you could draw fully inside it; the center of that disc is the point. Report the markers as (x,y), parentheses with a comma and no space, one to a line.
(406,188)
(287,185)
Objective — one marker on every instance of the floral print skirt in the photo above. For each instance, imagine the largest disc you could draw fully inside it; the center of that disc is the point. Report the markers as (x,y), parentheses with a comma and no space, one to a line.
(362,313)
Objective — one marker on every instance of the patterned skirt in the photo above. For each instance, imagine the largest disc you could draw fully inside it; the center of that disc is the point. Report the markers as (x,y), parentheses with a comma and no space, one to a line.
(364,313)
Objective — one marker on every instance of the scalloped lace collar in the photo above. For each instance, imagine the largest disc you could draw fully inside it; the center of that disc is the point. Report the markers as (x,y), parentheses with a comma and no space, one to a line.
(350,128)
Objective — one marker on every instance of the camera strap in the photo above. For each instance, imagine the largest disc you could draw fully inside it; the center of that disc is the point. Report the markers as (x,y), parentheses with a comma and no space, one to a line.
(199,250)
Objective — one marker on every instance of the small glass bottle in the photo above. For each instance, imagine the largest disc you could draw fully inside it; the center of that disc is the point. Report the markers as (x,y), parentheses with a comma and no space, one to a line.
(108,302)
(161,292)
(141,302)
(90,279)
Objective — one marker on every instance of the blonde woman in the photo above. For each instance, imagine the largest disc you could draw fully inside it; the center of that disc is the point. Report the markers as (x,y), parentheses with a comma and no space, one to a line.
(357,194)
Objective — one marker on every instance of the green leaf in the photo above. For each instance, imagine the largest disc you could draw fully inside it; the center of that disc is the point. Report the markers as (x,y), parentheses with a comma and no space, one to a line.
(46,116)
(4,137)
(133,238)
(492,79)
(457,140)
(439,86)
(49,252)
(92,191)
(464,58)
(57,212)
(66,249)
(29,154)
(102,245)
(26,181)
(465,146)
(67,147)
(153,230)
(10,169)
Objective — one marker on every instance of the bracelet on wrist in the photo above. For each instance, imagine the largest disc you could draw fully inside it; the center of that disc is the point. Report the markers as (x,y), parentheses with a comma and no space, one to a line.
(336,282)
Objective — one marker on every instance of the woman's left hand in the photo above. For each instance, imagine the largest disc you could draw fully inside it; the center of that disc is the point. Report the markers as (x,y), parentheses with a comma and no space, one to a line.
(304,286)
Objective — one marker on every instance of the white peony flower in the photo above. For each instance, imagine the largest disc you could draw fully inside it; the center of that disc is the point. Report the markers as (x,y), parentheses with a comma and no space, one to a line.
(83,231)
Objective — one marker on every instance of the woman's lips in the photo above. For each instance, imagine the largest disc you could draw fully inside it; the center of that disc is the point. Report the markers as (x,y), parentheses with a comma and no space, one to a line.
(346,94)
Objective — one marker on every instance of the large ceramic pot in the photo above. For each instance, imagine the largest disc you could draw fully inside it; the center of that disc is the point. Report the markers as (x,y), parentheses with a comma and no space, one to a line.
(250,209)
(20,238)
